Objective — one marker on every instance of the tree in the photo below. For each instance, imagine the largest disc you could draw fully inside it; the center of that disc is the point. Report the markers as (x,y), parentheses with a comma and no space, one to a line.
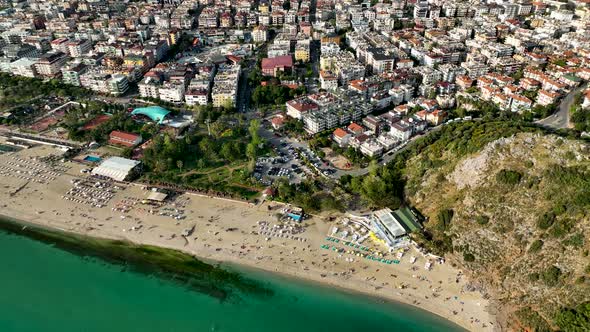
(374,168)
(253,130)
(227,152)
(444,219)
(482,220)
(208,147)
(252,148)
(551,276)
(546,220)
(251,151)
(541,111)
(274,94)
(519,74)
(127,153)
(217,128)
(374,190)
(574,319)
(179,164)
(530,318)
(201,164)
(581,119)
(468,257)
(255,77)
(308,71)
(228,106)
(508,177)
(536,246)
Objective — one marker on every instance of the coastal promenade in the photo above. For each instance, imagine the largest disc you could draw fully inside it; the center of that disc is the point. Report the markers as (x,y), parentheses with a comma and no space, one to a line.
(228,231)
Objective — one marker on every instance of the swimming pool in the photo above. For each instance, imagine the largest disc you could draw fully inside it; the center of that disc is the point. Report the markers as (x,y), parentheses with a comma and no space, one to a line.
(7,148)
(93,159)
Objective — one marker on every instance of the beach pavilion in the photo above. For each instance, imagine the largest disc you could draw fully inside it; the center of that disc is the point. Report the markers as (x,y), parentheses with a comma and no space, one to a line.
(156,113)
(386,226)
(118,169)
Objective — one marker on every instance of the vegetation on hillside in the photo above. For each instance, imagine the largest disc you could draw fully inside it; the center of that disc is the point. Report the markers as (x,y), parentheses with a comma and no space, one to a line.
(510,204)
(385,186)
(574,319)
(580,117)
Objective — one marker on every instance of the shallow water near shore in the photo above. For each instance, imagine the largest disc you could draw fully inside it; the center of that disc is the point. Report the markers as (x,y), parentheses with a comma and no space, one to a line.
(48,289)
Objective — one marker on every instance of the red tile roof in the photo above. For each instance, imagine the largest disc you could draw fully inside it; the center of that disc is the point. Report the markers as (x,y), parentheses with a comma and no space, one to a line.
(233,58)
(421,114)
(521,99)
(355,127)
(123,138)
(302,104)
(279,61)
(551,94)
(339,132)
(278,120)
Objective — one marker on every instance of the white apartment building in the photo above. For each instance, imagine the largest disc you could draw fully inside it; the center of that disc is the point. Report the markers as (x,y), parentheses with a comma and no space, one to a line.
(71,74)
(118,84)
(401,130)
(225,85)
(194,97)
(275,50)
(78,48)
(171,92)
(260,34)
(328,81)
(60,44)
(50,64)
(387,141)
(562,15)
(371,148)
(95,81)
(429,75)
(149,87)
(24,67)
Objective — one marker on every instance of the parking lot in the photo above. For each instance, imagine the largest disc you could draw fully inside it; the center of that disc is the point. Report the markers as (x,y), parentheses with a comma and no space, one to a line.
(286,163)
(319,165)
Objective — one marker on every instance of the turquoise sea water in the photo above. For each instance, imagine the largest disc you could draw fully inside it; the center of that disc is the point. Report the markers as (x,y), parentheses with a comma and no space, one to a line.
(43,288)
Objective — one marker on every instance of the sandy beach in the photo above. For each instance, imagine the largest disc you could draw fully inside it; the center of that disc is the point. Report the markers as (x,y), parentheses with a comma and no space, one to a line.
(228,231)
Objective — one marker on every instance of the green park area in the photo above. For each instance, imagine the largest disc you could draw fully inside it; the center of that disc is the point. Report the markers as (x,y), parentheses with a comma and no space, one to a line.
(214,156)
(216,160)
(23,98)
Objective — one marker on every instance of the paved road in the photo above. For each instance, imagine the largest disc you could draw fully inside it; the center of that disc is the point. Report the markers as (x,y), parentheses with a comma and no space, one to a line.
(561,119)
(386,158)
(244,90)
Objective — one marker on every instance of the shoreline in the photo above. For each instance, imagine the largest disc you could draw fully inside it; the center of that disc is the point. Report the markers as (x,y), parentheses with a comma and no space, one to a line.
(233,266)
(168,264)
(225,233)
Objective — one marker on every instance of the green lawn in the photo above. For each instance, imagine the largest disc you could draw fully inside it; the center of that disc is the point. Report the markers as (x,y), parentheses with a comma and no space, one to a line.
(232,179)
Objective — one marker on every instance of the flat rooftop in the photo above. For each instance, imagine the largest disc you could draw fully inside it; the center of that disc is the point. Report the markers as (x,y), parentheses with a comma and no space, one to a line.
(406,218)
(387,219)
